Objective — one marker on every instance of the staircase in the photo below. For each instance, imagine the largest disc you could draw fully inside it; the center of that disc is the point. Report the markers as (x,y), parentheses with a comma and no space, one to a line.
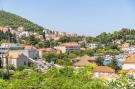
(42,65)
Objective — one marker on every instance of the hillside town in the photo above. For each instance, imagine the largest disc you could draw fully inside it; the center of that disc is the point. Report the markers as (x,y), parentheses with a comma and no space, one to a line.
(107,64)
(67,44)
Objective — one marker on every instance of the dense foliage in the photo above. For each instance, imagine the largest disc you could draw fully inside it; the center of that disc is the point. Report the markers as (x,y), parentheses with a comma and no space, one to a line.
(61,78)
(66,58)
(61,59)
(70,39)
(31,40)
(5,36)
(109,39)
(14,21)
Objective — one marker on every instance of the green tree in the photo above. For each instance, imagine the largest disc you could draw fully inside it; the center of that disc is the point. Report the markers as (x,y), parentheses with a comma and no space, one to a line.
(72,55)
(50,57)
(89,52)
(114,65)
(31,40)
(14,21)
(100,61)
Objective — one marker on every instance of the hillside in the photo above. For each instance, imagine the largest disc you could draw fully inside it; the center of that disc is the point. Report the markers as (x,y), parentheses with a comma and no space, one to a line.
(14,21)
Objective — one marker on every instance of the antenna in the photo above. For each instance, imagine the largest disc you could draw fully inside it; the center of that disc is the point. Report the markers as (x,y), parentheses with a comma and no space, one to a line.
(7,59)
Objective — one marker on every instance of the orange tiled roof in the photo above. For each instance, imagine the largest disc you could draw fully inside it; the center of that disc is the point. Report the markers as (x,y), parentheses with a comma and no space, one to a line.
(28,46)
(85,60)
(14,54)
(42,49)
(130,70)
(104,69)
(109,77)
(46,49)
(70,44)
(130,59)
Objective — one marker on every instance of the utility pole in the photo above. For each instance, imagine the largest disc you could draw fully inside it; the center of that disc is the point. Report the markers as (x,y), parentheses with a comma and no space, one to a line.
(7,62)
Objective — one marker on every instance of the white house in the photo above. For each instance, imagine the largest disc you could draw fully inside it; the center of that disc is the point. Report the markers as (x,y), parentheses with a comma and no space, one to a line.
(131,73)
(3,52)
(24,33)
(30,52)
(16,58)
(91,45)
(104,72)
(12,45)
(129,63)
(125,47)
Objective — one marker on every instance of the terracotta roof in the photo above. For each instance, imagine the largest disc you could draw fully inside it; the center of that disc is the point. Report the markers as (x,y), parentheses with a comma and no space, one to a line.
(130,59)
(14,54)
(28,46)
(46,49)
(84,60)
(70,44)
(108,77)
(130,70)
(104,69)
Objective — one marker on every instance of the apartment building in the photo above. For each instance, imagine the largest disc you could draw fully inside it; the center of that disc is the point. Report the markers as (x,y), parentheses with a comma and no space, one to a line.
(69,47)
